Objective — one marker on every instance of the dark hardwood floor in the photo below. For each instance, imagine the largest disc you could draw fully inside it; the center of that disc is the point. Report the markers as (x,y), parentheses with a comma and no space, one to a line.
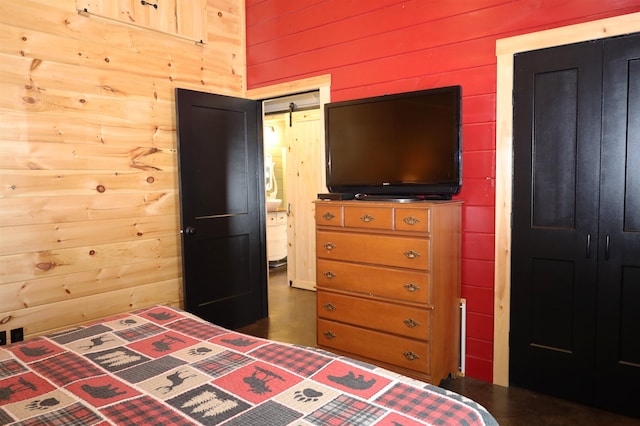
(292,320)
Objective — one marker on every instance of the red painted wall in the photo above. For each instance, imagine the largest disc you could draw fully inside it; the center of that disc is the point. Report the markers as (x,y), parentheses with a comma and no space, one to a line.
(373,47)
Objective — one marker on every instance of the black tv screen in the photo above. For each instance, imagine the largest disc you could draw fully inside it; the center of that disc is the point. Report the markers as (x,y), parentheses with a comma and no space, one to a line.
(407,144)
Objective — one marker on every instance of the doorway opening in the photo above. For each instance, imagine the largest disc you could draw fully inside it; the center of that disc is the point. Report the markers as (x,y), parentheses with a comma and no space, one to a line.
(294,175)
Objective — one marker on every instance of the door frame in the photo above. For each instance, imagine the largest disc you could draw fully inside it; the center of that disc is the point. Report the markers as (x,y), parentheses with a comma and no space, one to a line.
(505,50)
(321,83)
(303,173)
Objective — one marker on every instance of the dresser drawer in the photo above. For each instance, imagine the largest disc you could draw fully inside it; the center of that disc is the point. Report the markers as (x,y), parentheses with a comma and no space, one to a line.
(417,220)
(405,252)
(394,350)
(384,316)
(367,217)
(328,215)
(398,284)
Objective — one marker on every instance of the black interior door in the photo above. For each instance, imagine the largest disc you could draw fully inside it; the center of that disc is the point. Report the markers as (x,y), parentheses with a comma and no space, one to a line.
(222,203)
(618,332)
(557,121)
(575,326)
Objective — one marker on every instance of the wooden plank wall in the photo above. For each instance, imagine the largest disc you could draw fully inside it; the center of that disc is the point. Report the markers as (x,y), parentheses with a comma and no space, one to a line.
(89,208)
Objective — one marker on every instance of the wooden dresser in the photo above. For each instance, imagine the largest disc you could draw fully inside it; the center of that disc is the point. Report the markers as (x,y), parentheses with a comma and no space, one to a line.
(388,284)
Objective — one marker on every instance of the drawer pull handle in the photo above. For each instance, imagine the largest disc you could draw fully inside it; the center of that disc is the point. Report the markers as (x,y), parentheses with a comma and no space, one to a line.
(329,307)
(329,335)
(329,275)
(411,323)
(411,254)
(411,287)
(410,220)
(367,218)
(329,245)
(411,356)
(328,216)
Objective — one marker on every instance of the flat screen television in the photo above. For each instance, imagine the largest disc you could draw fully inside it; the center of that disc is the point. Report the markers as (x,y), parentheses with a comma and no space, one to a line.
(400,146)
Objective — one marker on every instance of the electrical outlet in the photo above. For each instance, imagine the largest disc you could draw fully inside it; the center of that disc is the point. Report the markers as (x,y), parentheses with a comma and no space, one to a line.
(17,335)
(3,338)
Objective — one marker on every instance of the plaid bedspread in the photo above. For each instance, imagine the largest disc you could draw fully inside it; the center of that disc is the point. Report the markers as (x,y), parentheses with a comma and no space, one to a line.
(162,366)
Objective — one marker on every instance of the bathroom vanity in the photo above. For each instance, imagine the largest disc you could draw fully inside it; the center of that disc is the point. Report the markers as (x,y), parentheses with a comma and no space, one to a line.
(276,238)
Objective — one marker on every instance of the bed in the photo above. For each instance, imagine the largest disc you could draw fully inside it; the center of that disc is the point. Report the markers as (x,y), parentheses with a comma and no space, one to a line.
(164,366)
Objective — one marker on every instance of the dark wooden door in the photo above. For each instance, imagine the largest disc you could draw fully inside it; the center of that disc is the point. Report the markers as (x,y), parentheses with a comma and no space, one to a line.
(618,331)
(222,203)
(555,213)
(576,223)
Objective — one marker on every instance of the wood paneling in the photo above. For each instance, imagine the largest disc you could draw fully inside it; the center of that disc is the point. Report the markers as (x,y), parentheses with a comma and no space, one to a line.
(40,291)
(89,203)
(49,263)
(185,18)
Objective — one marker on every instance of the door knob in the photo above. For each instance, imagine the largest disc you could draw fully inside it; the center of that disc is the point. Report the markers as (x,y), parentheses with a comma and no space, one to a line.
(190,230)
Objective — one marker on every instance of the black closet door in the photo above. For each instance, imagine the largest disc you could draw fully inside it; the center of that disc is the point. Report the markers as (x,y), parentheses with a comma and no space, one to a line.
(618,319)
(557,123)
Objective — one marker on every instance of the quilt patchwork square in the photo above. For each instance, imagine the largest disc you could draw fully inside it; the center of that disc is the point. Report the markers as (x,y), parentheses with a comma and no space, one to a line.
(73,415)
(23,386)
(196,329)
(99,391)
(222,363)
(208,405)
(96,343)
(42,403)
(124,322)
(351,379)
(144,410)
(149,369)
(199,351)
(81,333)
(237,342)
(425,405)
(295,359)
(160,315)
(268,414)
(161,344)
(307,396)
(257,381)
(11,367)
(346,410)
(171,383)
(35,349)
(117,359)
(139,332)
(66,368)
